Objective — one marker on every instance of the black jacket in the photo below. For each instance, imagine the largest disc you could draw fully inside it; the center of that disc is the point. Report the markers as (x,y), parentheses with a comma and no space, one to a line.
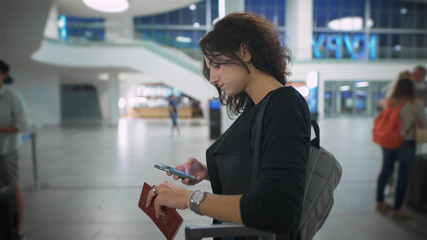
(276,204)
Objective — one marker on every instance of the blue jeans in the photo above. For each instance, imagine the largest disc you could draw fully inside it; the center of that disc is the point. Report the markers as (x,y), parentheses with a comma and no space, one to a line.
(405,156)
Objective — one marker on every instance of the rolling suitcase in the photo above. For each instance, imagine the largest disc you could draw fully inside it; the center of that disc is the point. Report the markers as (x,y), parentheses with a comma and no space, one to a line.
(8,214)
(417,188)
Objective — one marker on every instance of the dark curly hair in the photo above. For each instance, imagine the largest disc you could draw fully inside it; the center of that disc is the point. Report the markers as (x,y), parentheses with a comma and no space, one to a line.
(261,38)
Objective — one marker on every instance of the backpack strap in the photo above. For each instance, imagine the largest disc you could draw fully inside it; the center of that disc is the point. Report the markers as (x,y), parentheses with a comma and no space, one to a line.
(316,141)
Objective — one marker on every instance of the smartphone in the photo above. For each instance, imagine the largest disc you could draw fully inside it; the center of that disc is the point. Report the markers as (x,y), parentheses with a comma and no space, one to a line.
(174,171)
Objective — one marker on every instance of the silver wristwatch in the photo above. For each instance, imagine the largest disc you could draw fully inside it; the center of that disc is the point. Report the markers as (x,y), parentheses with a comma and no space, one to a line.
(196,198)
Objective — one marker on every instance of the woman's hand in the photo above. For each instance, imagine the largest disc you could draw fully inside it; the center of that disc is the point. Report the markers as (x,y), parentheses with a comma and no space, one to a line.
(195,168)
(168,195)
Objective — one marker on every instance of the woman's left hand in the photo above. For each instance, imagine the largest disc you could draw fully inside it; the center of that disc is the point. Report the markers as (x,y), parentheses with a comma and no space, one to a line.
(168,195)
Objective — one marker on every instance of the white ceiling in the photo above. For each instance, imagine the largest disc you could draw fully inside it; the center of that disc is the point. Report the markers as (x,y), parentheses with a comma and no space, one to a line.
(136,8)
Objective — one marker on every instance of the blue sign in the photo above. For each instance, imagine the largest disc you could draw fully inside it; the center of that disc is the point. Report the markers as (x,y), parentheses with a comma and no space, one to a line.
(214,104)
(355,45)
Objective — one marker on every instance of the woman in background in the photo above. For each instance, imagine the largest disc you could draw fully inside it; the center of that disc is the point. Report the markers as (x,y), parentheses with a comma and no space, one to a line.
(412,116)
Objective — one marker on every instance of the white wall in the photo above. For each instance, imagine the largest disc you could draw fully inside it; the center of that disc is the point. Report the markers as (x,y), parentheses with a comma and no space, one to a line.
(41,92)
(51,28)
(2,23)
(101,88)
(137,58)
(21,30)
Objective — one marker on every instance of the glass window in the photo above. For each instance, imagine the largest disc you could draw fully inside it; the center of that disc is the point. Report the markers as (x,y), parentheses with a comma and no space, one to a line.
(386,39)
(274,10)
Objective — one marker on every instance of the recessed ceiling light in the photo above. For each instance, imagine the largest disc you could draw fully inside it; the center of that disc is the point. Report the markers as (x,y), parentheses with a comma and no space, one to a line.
(110,6)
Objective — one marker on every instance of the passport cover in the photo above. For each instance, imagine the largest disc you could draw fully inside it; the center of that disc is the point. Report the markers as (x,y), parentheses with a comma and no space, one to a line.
(169,224)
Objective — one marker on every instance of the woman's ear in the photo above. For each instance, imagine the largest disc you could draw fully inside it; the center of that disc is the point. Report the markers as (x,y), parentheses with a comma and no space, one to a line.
(245,55)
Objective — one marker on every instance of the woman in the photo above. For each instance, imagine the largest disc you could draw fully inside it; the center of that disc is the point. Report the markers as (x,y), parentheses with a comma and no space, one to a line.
(411,115)
(245,61)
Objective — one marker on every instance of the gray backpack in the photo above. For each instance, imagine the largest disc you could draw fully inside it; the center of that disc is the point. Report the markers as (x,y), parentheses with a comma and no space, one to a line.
(322,176)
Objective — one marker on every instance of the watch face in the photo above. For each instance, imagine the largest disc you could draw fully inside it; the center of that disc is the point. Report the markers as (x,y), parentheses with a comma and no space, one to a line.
(197,196)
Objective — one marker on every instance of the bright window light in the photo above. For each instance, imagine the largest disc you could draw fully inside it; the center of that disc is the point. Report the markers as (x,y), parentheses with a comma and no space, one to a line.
(110,6)
(104,76)
(303,90)
(312,79)
(349,24)
(122,102)
(183,39)
(221,9)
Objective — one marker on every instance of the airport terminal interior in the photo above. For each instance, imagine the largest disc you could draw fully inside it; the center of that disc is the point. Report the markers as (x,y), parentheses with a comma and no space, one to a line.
(97,83)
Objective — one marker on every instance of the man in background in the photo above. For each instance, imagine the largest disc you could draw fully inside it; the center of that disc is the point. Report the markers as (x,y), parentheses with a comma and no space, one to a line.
(418,75)
(14,119)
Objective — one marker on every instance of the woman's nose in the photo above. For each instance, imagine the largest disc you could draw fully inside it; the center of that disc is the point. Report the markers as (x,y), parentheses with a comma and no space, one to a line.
(213,78)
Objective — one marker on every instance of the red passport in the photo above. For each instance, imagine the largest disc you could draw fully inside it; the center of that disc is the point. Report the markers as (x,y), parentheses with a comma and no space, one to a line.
(169,224)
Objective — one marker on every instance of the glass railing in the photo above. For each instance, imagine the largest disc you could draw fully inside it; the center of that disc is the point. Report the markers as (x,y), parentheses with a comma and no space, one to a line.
(165,42)
(187,58)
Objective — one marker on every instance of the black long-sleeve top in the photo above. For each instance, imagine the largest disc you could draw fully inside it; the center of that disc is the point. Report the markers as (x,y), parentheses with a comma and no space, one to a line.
(276,204)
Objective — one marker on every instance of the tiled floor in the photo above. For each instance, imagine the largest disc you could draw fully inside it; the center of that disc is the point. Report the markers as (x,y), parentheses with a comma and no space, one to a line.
(92,176)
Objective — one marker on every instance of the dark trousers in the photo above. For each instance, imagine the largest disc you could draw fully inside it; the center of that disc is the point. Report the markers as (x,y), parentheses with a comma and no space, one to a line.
(405,156)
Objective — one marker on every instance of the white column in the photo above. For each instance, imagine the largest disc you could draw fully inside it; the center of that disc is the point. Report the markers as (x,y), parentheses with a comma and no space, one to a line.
(113,90)
(321,96)
(119,30)
(299,28)
(234,6)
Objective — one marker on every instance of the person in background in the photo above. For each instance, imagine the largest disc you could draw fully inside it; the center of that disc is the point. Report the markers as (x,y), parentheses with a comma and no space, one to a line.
(14,118)
(412,116)
(246,61)
(388,89)
(418,75)
(173,113)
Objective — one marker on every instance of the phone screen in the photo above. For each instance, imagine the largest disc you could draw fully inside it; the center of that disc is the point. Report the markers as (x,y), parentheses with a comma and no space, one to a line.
(174,171)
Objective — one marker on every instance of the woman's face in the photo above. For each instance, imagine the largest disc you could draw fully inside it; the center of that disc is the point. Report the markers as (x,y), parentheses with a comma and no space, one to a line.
(230,78)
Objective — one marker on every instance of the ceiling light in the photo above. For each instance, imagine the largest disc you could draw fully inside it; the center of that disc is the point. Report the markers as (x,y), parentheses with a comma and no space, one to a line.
(349,24)
(192,7)
(403,11)
(397,48)
(196,25)
(111,6)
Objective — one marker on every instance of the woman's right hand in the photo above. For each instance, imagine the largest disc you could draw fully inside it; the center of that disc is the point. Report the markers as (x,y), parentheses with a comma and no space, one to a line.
(195,168)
